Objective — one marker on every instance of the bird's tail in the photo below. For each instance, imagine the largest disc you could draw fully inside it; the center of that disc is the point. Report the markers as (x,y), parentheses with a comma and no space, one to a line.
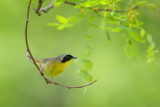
(29,58)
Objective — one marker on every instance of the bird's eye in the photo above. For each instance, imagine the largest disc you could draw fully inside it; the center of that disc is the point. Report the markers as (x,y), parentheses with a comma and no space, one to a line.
(67,58)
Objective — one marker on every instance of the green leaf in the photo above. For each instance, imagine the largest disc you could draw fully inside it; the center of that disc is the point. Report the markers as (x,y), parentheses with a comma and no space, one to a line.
(149,38)
(143,33)
(104,2)
(135,35)
(151,53)
(86,75)
(116,22)
(61,27)
(135,49)
(153,6)
(150,48)
(72,19)
(128,51)
(57,4)
(131,49)
(89,3)
(141,2)
(151,60)
(118,29)
(62,19)
(88,65)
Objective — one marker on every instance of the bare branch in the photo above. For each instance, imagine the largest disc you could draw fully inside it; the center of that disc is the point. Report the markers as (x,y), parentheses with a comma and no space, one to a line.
(26,40)
(39,7)
(75,86)
(46,9)
(30,56)
(110,10)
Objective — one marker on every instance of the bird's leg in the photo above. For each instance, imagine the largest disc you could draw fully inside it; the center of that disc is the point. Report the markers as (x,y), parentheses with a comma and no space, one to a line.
(53,82)
(41,71)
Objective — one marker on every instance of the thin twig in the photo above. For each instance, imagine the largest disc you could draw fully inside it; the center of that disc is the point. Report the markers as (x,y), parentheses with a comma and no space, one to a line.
(75,86)
(39,7)
(26,39)
(45,10)
(110,10)
(34,62)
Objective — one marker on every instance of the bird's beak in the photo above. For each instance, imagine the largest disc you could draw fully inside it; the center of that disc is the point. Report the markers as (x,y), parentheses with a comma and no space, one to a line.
(74,57)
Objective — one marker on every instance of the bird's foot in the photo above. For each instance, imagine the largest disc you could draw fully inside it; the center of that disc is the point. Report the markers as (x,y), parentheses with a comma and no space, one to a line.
(53,82)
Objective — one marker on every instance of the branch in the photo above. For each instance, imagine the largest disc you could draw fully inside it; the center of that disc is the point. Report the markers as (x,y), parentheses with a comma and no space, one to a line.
(45,10)
(110,10)
(26,40)
(75,86)
(39,7)
(34,62)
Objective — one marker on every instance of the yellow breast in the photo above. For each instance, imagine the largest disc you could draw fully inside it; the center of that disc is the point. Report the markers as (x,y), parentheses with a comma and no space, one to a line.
(54,68)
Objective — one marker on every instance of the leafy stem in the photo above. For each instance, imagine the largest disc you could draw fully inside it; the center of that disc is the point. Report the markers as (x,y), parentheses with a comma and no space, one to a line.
(99,9)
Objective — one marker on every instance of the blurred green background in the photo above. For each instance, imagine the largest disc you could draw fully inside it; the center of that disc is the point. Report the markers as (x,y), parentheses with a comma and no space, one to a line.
(121,82)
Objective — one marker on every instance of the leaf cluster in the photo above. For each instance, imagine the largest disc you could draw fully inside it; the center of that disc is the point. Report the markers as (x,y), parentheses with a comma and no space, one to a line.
(123,21)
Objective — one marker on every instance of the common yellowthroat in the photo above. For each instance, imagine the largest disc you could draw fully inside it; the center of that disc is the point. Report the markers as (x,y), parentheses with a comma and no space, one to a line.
(53,66)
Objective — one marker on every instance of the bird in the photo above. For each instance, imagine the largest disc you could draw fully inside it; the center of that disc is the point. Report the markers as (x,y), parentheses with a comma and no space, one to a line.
(53,66)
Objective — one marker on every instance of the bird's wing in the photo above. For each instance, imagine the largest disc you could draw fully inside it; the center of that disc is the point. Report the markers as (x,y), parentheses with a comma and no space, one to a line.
(52,59)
